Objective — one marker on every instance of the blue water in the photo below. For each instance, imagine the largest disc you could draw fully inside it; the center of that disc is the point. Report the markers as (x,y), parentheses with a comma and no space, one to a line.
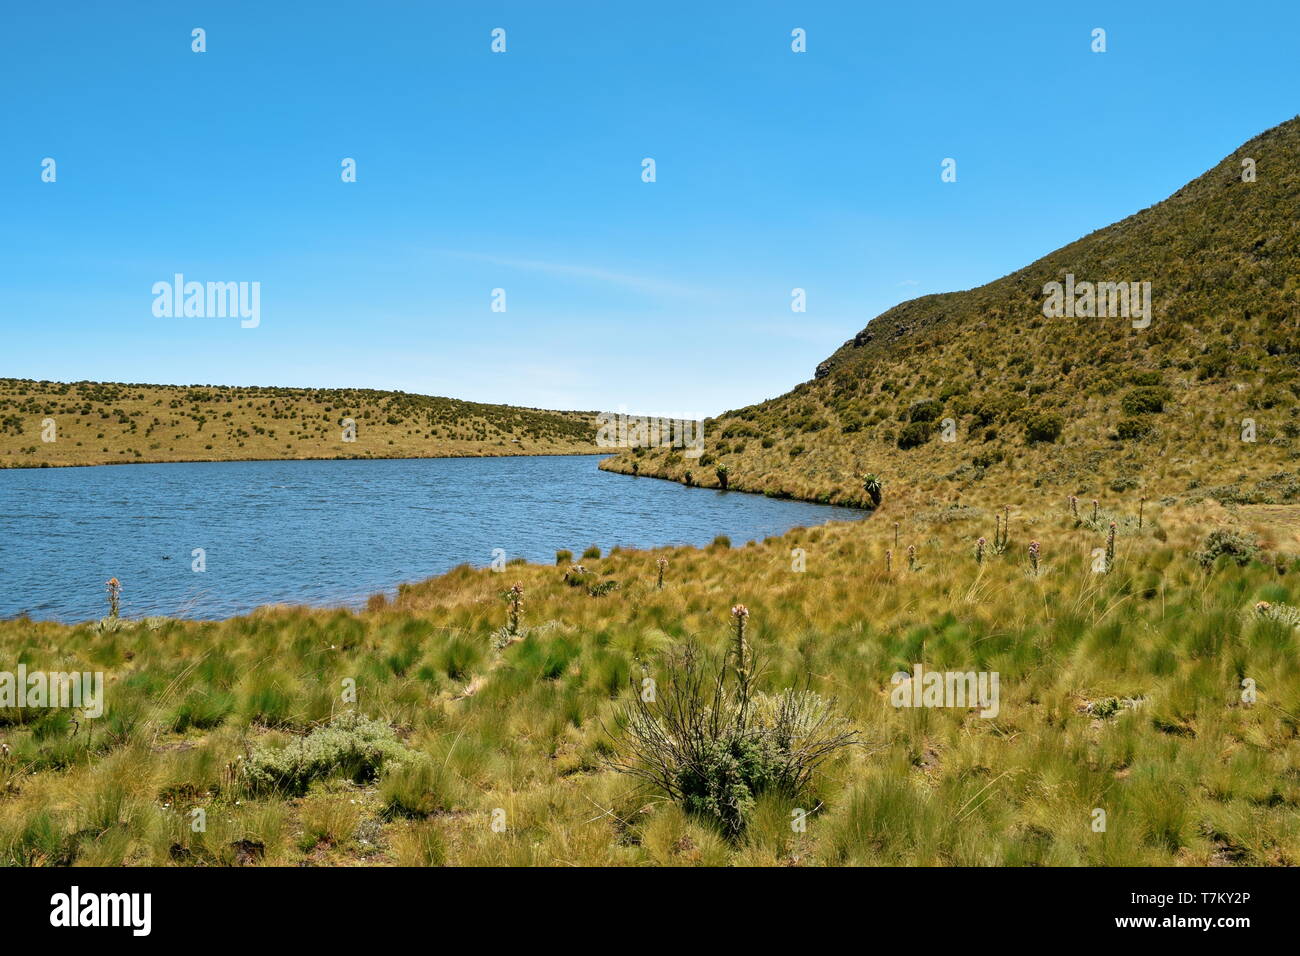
(330,532)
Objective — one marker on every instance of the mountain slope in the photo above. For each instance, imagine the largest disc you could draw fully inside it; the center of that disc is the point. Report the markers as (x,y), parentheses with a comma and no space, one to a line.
(1083,405)
(105,423)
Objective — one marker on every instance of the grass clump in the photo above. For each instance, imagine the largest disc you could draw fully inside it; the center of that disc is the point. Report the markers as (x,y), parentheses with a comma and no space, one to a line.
(716,746)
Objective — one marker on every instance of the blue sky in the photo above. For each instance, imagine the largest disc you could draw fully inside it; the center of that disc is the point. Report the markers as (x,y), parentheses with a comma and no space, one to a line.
(522,171)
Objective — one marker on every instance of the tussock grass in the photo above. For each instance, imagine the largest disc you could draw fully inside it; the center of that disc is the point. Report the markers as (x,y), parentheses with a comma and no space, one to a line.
(1120,692)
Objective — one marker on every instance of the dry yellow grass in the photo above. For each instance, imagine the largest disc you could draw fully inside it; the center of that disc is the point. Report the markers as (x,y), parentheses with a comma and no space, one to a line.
(103,423)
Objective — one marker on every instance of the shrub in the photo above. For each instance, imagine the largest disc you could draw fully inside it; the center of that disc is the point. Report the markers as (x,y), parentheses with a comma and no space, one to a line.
(926,410)
(1214,364)
(1224,542)
(1145,400)
(1283,614)
(563,557)
(350,745)
(917,433)
(1043,427)
(592,552)
(1131,429)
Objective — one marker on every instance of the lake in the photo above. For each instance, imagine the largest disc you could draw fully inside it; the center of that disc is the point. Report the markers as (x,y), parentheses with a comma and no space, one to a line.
(331,532)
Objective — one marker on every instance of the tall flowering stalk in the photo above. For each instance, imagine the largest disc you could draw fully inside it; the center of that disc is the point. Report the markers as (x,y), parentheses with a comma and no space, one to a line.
(895,535)
(662,564)
(911,557)
(739,618)
(889,561)
(1110,548)
(114,588)
(1094,509)
(979,551)
(1141,505)
(1033,556)
(515,598)
(1074,507)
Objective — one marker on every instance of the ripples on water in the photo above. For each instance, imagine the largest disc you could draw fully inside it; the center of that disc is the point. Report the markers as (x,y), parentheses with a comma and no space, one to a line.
(331,532)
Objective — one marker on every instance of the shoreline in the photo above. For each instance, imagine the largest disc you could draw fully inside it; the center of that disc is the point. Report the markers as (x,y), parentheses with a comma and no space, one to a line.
(218,461)
(357,604)
(615,465)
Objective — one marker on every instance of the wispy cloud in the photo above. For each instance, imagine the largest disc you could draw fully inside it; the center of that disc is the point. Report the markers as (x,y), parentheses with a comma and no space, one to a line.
(640,283)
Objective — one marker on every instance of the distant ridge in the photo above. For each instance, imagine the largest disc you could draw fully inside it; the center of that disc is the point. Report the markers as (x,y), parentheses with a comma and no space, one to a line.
(94,423)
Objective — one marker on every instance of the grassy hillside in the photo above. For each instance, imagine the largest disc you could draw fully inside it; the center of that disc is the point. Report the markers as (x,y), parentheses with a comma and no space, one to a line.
(1120,692)
(1086,406)
(106,423)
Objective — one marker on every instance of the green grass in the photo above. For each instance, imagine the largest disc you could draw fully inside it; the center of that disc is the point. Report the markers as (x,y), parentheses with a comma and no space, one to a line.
(1120,692)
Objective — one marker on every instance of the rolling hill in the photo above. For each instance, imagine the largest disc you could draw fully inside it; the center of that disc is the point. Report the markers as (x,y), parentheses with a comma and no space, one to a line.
(990,389)
(105,423)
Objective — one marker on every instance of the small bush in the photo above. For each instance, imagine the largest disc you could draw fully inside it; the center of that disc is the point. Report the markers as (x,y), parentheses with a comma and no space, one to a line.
(1148,379)
(563,557)
(1145,400)
(1224,542)
(603,588)
(1043,427)
(1132,429)
(1283,614)
(917,433)
(350,745)
(592,551)
(926,410)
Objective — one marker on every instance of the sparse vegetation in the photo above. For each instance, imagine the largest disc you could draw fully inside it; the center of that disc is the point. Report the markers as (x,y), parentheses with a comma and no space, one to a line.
(152,423)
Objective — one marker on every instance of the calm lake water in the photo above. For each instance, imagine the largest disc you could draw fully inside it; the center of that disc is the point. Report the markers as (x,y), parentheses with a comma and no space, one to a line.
(330,532)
